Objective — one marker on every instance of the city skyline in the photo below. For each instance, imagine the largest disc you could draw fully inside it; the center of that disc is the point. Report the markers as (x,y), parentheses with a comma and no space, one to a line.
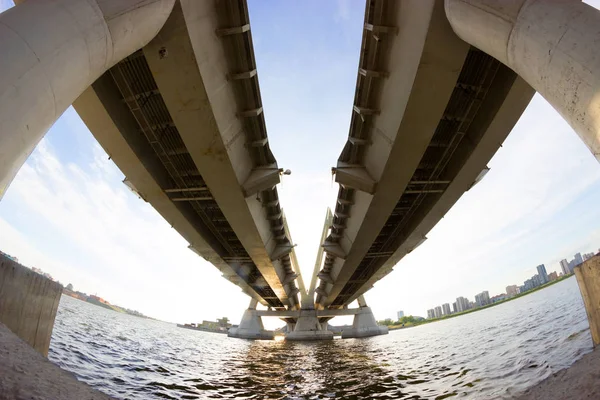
(482,299)
(68,212)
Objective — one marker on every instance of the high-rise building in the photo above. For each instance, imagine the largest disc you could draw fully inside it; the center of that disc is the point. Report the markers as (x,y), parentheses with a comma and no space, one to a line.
(564,265)
(541,269)
(587,256)
(430,314)
(400,314)
(512,290)
(572,264)
(437,312)
(446,309)
(553,276)
(462,304)
(482,299)
(454,307)
(578,259)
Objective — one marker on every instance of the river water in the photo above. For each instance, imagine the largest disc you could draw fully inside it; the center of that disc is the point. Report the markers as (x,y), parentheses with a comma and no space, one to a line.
(494,353)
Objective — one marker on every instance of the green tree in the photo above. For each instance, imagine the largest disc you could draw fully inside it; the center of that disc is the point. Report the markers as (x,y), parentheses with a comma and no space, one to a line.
(70,287)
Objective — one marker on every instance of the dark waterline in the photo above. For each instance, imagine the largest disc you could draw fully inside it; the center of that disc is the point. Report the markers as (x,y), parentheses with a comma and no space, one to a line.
(494,353)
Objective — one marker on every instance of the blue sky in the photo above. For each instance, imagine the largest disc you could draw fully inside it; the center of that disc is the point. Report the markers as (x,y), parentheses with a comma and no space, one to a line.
(68,213)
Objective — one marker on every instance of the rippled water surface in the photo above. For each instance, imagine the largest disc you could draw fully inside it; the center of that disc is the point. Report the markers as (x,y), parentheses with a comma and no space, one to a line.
(494,353)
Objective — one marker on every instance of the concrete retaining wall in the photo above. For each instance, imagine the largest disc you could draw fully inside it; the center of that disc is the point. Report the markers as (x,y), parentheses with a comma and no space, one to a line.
(28,303)
(588,278)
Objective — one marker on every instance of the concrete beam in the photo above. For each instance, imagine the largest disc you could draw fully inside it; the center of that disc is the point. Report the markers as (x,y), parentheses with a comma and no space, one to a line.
(424,60)
(551,44)
(496,125)
(203,104)
(260,179)
(319,313)
(334,249)
(355,177)
(280,251)
(94,114)
(52,51)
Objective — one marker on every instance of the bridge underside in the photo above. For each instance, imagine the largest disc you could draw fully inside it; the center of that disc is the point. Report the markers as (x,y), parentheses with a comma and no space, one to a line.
(182,117)
(199,153)
(410,156)
(479,93)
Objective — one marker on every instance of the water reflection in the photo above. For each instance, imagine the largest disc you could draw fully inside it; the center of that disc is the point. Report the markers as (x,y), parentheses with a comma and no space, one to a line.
(495,353)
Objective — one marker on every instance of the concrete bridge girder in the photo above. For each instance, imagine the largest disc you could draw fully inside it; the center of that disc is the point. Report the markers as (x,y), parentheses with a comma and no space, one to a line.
(201,100)
(497,129)
(95,116)
(423,61)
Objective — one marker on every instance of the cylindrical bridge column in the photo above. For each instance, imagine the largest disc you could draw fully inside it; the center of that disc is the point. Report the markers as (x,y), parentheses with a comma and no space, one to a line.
(553,44)
(51,51)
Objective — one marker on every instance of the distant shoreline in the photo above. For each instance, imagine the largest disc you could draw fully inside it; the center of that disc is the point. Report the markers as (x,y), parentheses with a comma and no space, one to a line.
(428,321)
(110,307)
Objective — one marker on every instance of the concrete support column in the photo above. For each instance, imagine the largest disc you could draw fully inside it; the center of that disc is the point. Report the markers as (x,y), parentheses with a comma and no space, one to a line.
(588,278)
(308,327)
(52,50)
(554,45)
(251,326)
(28,303)
(364,324)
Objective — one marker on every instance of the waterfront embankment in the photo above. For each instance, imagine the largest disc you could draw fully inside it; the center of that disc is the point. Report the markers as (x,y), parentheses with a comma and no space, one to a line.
(580,381)
(25,374)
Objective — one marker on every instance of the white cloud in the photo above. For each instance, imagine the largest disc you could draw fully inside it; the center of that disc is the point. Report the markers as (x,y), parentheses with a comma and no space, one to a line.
(124,250)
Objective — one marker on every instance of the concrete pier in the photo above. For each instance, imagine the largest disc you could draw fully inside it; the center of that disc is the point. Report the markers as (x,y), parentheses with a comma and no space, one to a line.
(551,44)
(51,52)
(364,324)
(308,327)
(28,303)
(588,278)
(251,326)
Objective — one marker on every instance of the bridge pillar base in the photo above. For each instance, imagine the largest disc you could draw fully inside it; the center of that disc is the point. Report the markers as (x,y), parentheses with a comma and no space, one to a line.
(364,326)
(308,327)
(251,327)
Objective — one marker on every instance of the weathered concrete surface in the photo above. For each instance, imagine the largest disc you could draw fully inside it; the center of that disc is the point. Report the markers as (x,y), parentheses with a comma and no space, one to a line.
(27,375)
(51,52)
(552,44)
(251,326)
(308,327)
(364,325)
(578,382)
(193,81)
(588,278)
(28,303)
(424,60)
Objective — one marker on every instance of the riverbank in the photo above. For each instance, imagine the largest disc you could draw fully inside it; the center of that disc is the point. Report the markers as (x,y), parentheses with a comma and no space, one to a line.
(25,374)
(580,381)
(428,321)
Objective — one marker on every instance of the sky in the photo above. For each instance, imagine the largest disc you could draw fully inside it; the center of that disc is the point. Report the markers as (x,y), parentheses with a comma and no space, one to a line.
(68,212)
